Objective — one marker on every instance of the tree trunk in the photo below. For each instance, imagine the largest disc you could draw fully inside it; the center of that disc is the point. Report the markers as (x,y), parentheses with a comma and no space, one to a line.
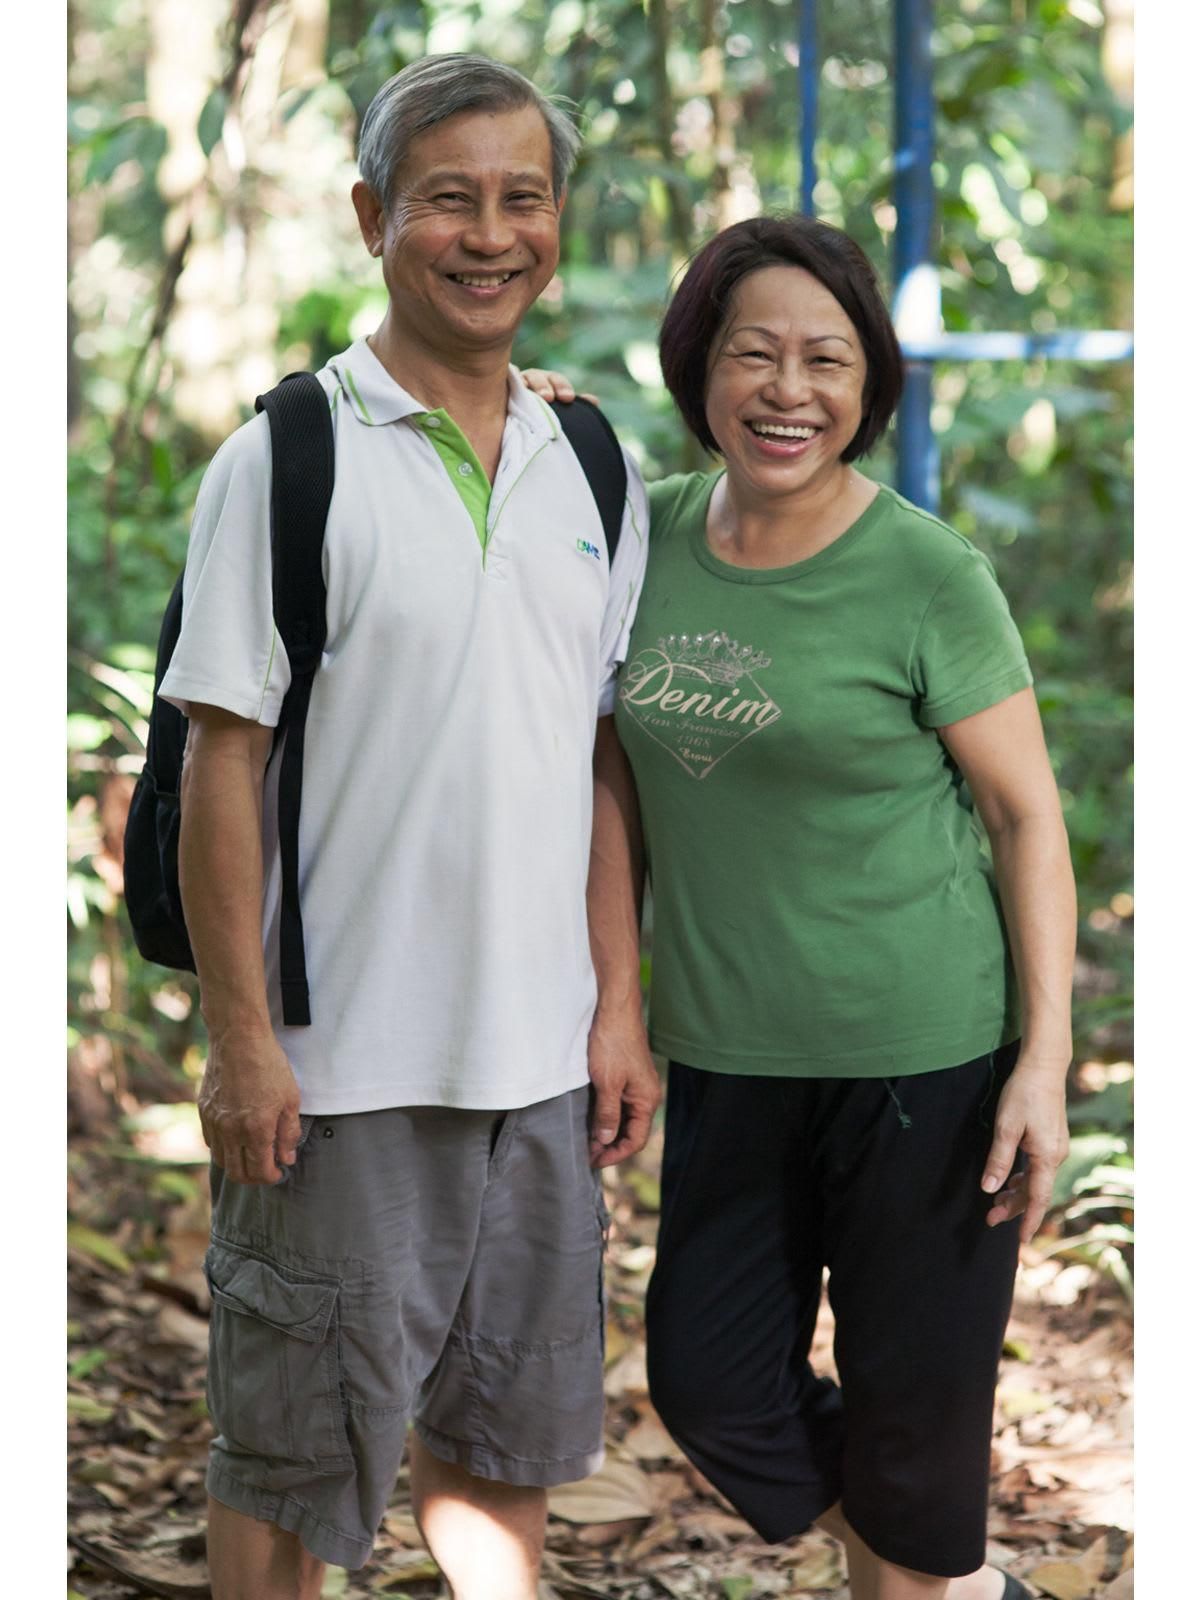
(678,210)
(308,42)
(724,110)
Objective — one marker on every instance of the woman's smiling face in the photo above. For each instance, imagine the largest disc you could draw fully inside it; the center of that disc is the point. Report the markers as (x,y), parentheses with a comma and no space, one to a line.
(787,375)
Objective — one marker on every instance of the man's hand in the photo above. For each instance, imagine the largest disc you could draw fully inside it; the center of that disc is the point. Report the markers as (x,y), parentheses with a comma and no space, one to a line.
(625,1091)
(250,1107)
(1031,1116)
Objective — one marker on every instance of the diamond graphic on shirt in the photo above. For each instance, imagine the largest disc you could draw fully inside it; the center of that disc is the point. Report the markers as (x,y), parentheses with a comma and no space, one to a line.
(697,696)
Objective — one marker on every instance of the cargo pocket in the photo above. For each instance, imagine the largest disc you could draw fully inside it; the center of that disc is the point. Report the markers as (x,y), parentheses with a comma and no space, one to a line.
(274,1385)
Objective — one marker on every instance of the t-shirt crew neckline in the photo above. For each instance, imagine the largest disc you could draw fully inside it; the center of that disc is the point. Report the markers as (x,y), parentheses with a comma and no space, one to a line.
(798,569)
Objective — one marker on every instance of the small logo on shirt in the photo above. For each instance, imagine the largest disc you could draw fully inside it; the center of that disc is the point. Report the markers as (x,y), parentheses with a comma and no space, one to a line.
(587,549)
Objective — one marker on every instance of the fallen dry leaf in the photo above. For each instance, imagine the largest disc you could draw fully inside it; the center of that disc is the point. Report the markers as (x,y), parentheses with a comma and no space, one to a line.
(648,1440)
(154,1575)
(413,1567)
(620,1490)
(662,1534)
(822,1568)
(600,1535)
(713,1526)
(403,1528)
(177,1326)
(1073,1580)
(627,1375)
(1121,1588)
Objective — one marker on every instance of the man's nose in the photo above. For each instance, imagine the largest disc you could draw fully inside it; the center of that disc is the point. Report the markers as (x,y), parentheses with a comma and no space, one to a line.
(490,232)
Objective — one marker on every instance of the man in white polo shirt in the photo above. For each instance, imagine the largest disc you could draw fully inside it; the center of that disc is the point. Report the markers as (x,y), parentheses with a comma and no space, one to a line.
(406,1217)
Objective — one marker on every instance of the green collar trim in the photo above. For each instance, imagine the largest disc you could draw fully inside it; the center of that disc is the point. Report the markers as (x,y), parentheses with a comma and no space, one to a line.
(462,465)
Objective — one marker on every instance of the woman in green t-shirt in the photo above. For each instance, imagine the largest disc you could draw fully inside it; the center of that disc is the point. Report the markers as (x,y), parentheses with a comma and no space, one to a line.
(868,1026)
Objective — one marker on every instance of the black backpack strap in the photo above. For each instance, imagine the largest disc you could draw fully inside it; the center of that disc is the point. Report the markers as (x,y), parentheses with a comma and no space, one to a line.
(595,444)
(301,488)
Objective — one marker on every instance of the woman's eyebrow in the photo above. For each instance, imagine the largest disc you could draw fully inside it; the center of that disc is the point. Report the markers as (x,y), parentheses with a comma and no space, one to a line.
(752,327)
(817,338)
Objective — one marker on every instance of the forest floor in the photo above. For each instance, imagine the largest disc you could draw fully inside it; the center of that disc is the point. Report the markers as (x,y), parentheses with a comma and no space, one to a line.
(647,1526)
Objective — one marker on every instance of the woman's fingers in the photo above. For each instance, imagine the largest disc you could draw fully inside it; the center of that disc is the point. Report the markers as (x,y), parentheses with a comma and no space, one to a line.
(1005,1138)
(1039,1183)
(547,384)
(1010,1202)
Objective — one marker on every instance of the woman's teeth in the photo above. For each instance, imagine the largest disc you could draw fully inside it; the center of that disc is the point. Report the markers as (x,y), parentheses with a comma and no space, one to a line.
(482,280)
(780,430)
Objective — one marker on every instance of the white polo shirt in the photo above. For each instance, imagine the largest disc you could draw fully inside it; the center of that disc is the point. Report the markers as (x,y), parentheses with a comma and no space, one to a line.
(473,638)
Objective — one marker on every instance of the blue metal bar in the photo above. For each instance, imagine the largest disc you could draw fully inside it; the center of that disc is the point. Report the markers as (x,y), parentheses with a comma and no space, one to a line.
(810,81)
(1063,345)
(918,308)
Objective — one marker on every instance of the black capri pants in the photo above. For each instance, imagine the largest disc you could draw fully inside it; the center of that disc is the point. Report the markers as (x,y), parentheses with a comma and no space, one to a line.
(766,1181)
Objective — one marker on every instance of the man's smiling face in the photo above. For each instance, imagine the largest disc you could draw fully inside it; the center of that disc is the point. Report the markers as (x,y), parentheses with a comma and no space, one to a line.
(470,237)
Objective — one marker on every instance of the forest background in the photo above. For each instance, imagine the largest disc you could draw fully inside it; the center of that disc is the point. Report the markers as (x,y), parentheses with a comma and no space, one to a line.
(212,247)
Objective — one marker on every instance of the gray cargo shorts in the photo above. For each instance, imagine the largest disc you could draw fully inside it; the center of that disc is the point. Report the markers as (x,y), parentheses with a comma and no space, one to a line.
(421,1263)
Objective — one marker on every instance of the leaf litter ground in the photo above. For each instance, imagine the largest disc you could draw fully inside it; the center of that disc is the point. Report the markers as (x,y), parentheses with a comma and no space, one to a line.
(648,1526)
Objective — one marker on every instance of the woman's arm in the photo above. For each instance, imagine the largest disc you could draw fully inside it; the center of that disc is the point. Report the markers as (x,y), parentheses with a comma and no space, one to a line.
(1002,754)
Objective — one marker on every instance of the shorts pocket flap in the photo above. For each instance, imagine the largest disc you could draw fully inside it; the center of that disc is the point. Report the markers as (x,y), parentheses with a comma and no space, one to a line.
(255,1288)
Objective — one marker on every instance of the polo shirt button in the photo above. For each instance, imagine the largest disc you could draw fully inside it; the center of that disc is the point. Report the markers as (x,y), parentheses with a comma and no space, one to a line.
(431,421)
(465,469)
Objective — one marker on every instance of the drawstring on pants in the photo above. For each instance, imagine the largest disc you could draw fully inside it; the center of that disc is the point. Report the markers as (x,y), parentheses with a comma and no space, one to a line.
(903,1116)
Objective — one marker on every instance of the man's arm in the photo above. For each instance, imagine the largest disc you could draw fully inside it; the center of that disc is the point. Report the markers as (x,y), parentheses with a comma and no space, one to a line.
(249,1099)
(624,1079)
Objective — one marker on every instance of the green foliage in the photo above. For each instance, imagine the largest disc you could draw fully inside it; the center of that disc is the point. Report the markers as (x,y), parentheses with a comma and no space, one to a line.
(1036,457)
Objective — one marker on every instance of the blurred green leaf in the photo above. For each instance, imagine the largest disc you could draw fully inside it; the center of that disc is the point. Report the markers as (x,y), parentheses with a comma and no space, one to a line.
(139,139)
(212,120)
(91,1361)
(1087,1152)
(90,1243)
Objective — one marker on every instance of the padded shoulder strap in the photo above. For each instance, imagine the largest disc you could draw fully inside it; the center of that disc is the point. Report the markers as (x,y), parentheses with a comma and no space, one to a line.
(593,441)
(301,488)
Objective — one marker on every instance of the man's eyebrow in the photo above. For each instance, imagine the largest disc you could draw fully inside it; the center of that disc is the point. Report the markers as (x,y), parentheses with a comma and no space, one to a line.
(441,175)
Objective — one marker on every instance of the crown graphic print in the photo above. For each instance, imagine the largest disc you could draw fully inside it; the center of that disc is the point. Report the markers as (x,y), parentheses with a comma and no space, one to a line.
(698,696)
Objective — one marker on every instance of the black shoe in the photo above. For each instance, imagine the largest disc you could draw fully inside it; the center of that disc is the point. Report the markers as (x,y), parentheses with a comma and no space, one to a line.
(1014,1589)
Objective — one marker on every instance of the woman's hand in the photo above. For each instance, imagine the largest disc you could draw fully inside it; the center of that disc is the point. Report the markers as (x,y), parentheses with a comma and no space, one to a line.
(1031,1116)
(552,385)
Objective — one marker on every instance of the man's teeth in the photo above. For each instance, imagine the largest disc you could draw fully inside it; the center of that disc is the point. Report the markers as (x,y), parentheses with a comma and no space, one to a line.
(482,280)
(780,430)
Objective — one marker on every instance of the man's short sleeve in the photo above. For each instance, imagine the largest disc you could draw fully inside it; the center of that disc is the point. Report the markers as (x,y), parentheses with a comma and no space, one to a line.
(229,653)
(968,654)
(624,585)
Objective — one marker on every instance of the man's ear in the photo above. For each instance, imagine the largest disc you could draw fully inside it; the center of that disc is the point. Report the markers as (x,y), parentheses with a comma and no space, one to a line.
(562,199)
(370,217)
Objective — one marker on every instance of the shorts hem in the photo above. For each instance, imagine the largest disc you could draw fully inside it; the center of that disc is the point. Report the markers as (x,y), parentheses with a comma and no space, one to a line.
(318,1538)
(516,1470)
(906,1555)
(780,1532)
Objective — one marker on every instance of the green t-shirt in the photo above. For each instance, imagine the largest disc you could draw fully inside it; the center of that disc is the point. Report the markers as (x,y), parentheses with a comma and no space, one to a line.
(823,906)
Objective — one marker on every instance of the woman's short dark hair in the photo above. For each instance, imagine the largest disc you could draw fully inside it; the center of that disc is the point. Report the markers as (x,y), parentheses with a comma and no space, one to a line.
(701,308)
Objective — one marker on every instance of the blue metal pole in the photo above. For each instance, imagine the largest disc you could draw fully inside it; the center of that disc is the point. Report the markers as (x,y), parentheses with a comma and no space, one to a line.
(810,80)
(917,306)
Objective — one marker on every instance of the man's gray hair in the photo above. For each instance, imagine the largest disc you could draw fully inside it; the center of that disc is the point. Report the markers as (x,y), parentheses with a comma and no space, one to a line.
(435,88)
